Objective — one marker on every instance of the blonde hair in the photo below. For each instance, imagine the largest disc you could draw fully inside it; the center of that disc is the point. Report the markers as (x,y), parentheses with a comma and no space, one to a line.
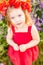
(28,19)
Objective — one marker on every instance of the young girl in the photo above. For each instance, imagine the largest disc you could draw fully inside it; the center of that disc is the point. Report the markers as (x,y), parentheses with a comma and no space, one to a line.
(22,37)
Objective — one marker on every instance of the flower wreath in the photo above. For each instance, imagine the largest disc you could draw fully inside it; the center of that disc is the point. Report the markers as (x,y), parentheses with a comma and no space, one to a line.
(26,5)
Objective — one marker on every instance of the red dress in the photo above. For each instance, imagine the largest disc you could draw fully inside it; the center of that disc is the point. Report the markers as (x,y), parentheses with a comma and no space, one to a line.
(23,58)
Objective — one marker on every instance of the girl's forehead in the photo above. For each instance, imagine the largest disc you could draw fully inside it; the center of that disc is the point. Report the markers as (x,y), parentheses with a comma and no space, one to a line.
(16,12)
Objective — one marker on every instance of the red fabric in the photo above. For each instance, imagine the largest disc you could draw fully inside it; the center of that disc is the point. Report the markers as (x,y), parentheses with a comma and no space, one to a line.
(23,58)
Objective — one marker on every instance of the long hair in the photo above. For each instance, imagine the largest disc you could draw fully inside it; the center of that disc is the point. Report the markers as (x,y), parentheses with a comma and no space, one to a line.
(28,19)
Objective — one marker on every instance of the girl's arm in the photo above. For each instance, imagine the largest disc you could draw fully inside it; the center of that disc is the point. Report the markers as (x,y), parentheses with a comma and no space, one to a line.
(35,37)
(32,43)
(9,39)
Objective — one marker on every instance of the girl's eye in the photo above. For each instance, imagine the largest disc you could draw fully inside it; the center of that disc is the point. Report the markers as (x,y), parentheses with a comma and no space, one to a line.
(13,17)
(19,15)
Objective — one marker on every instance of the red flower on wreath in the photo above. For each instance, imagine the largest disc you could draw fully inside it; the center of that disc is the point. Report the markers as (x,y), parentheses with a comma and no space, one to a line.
(17,4)
(11,2)
(3,7)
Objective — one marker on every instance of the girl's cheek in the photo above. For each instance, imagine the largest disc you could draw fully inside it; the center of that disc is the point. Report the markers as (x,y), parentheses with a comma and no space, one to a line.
(14,21)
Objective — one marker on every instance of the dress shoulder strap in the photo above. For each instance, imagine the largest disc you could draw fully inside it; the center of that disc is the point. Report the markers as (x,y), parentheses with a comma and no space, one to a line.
(29,28)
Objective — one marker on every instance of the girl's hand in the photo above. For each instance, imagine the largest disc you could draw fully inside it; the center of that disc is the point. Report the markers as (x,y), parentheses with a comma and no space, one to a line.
(22,48)
(16,47)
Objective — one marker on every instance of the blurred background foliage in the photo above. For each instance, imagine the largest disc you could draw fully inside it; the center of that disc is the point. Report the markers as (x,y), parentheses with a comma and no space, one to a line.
(37,17)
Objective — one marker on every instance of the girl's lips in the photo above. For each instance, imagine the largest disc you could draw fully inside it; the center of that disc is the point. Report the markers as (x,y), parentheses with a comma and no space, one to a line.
(19,23)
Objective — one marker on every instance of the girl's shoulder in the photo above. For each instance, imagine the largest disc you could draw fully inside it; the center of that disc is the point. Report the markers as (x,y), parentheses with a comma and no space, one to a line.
(33,26)
(10,28)
(34,29)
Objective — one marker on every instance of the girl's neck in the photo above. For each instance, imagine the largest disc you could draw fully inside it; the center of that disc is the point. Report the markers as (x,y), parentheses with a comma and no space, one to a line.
(20,26)
(23,28)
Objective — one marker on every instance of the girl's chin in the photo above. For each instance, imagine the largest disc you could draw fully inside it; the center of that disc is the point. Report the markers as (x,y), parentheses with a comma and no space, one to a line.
(20,24)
